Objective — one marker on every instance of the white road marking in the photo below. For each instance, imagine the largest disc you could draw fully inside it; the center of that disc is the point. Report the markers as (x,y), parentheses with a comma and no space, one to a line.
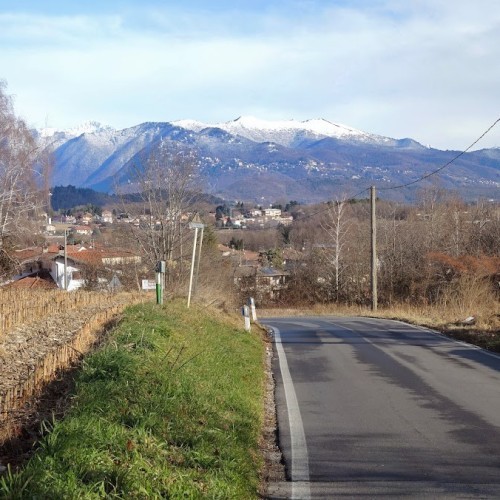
(300,457)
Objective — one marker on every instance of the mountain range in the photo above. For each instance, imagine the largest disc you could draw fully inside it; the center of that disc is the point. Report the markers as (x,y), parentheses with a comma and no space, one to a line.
(268,161)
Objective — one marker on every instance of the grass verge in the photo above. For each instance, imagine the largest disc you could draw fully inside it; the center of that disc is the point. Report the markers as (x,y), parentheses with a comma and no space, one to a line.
(169,407)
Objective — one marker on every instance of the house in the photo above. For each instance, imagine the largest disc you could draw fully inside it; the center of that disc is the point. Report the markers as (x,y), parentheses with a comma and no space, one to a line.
(87,218)
(69,219)
(72,279)
(107,216)
(254,212)
(271,282)
(49,264)
(50,229)
(264,284)
(78,260)
(39,280)
(82,230)
(272,212)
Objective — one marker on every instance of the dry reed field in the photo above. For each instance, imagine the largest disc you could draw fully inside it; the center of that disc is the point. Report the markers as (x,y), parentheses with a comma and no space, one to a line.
(20,307)
(42,333)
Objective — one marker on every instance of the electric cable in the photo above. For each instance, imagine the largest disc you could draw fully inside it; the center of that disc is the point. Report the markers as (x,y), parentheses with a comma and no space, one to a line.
(442,166)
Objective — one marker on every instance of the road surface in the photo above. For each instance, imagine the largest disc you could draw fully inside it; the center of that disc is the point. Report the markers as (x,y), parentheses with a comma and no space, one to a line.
(377,408)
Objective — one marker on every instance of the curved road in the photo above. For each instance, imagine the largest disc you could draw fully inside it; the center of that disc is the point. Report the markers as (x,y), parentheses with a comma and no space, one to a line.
(378,408)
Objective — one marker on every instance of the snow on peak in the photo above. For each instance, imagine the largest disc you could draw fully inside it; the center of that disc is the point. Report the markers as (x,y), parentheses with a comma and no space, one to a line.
(282,132)
(190,125)
(88,127)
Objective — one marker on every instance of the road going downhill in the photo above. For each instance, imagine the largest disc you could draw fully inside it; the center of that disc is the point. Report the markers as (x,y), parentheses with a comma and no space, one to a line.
(370,407)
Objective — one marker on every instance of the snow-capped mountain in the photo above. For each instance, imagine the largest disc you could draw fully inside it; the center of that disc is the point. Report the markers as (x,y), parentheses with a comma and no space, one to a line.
(249,158)
(285,132)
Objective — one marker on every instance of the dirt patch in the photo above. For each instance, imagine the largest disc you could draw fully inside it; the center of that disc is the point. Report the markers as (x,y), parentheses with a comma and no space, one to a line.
(274,469)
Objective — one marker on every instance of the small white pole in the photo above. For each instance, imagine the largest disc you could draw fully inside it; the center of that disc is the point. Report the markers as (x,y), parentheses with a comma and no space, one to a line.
(246,315)
(192,266)
(198,263)
(251,303)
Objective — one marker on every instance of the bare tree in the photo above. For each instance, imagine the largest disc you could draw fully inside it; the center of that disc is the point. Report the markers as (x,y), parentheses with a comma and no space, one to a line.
(18,155)
(336,225)
(166,180)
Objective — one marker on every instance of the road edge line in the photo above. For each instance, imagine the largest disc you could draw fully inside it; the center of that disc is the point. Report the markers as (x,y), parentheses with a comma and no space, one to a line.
(300,456)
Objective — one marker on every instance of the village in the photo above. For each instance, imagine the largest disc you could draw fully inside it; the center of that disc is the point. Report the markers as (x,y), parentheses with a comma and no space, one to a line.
(96,251)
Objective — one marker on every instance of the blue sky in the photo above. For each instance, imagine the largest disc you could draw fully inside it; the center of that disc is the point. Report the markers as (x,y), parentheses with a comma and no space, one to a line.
(426,69)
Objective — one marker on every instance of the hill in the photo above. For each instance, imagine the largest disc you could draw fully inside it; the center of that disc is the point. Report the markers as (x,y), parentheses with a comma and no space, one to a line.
(246,158)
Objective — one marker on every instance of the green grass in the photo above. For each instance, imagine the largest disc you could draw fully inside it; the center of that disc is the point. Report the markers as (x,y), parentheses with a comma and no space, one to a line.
(170,407)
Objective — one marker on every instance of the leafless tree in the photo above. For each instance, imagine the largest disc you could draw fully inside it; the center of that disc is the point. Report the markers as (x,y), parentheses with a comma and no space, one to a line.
(18,156)
(166,180)
(335,224)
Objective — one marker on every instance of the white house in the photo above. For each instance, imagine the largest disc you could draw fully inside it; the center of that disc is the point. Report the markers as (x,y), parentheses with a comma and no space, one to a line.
(107,216)
(272,212)
(74,280)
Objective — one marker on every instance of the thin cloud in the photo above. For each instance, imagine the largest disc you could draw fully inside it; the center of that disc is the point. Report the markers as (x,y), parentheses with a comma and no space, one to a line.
(426,70)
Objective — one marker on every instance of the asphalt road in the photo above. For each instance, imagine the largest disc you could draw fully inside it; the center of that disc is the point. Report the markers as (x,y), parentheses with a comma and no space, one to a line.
(380,409)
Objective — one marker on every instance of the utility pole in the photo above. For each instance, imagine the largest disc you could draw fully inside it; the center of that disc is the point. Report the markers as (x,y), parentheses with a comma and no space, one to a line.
(373,249)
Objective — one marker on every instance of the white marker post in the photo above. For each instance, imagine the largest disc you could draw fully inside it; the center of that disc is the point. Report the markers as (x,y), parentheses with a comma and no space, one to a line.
(251,303)
(245,310)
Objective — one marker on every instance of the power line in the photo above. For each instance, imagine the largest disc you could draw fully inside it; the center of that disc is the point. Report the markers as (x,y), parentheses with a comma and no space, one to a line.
(443,166)
(414,181)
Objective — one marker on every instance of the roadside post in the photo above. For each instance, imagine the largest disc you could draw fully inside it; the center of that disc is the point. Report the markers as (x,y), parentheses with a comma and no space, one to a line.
(245,310)
(251,304)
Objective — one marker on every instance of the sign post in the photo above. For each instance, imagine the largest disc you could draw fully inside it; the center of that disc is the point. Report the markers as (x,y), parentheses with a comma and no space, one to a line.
(160,271)
(195,226)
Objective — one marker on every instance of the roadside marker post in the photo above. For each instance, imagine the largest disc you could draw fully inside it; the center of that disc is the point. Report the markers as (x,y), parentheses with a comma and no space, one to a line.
(245,310)
(251,303)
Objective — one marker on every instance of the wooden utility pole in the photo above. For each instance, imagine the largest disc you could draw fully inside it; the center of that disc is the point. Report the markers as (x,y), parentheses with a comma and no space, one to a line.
(373,249)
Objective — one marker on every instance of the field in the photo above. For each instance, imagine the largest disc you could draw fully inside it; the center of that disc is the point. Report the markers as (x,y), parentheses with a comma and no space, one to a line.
(42,333)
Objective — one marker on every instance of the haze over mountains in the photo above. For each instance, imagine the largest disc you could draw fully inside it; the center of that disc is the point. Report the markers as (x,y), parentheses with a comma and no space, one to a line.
(266,161)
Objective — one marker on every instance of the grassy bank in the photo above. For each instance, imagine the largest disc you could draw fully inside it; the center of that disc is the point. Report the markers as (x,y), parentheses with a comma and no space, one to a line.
(170,406)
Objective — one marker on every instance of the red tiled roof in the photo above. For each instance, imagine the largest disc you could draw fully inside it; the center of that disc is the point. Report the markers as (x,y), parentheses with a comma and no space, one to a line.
(96,256)
(41,280)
